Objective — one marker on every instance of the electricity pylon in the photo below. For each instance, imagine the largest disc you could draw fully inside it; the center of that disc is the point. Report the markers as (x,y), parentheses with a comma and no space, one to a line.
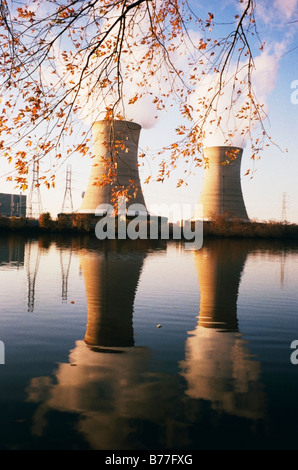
(67,205)
(34,206)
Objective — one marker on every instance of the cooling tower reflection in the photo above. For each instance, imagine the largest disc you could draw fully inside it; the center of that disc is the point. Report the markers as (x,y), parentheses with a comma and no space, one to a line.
(121,400)
(108,382)
(111,281)
(218,366)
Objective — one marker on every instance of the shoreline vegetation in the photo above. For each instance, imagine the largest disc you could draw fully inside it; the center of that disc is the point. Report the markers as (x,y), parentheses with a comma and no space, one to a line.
(85,224)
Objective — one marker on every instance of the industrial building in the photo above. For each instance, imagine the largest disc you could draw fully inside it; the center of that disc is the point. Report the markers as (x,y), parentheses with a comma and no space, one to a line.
(13,205)
(115,145)
(221,192)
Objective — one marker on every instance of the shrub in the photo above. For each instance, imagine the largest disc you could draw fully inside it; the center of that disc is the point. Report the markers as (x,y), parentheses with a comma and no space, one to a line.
(45,221)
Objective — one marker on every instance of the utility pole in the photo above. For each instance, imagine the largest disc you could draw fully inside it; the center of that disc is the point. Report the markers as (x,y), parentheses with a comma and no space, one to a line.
(34,208)
(67,205)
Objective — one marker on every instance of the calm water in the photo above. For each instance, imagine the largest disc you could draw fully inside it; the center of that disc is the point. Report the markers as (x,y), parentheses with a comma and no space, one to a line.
(138,345)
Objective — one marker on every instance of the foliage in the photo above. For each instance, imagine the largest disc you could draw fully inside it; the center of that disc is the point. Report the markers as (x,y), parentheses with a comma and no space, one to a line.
(83,222)
(64,223)
(14,224)
(4,223)
(17,223)
(70,62)
(224,226)
(45,221)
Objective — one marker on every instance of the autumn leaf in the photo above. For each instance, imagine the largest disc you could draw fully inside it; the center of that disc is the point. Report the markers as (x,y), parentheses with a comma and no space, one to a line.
(108,55)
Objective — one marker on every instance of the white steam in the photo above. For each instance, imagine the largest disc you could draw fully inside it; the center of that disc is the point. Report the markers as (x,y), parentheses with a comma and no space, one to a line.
(147,84)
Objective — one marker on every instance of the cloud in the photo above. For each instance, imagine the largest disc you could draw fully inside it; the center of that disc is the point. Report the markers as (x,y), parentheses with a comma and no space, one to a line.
(230,120)
(287,8)
(148,85)
(265,74)
(276,13)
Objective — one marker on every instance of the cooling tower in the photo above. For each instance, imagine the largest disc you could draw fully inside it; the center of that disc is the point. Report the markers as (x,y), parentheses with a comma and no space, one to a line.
(221,193)
(115,145)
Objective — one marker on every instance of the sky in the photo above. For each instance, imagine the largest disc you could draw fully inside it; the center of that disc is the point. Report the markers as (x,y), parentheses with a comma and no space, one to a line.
(270,190)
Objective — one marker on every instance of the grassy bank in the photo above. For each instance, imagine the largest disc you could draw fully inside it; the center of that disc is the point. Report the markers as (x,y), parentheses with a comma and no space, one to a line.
(221,227)
(72,223)
(83,223)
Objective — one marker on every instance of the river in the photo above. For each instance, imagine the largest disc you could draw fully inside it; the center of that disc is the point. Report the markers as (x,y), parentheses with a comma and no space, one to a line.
(142,345)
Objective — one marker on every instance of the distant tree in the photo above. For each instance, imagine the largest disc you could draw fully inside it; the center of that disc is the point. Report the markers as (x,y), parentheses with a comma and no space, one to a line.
(45,221)
(65,62)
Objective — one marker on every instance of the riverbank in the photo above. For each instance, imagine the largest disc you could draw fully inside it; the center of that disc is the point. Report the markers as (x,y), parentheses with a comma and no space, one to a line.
(259,230)
(85,224)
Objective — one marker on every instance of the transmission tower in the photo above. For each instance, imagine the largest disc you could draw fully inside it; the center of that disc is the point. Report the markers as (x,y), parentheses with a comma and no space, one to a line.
(67,205)
(34,207)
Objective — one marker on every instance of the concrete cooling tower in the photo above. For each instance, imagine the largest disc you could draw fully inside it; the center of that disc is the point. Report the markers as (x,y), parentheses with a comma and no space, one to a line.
(115,146)
(221,193)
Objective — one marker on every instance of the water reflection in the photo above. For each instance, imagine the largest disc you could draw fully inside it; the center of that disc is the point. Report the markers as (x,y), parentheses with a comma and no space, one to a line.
(120,400)
(33,254)
(218,366)
(65,262)
(12,252)
(106,379)
(111,280)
